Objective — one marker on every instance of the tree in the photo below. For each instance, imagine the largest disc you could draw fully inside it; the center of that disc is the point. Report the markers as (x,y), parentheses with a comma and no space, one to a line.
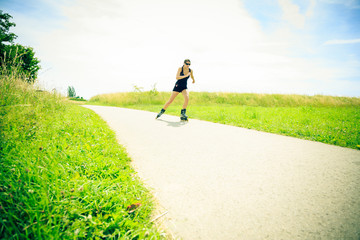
(15,55)
(71,91)
(21,57)
(5,25)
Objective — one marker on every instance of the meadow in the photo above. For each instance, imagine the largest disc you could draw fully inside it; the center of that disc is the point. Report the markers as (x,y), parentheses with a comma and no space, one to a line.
(62,173)
(327,119)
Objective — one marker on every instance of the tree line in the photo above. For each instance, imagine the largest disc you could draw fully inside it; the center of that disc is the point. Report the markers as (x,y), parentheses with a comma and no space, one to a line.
(16,55)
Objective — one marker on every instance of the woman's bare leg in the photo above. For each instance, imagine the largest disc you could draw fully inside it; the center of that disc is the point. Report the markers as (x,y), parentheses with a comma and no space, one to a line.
(172,97)
(185,93)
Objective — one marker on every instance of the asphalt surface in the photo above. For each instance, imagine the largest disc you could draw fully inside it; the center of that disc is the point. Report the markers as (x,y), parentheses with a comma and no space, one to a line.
(224,182)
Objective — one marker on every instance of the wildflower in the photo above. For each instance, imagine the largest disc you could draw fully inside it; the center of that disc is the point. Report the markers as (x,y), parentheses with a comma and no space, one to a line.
(31,191)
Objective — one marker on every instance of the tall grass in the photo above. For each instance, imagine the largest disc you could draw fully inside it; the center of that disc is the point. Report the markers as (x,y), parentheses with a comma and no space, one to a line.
(327,119)
(62,173)
(242,99)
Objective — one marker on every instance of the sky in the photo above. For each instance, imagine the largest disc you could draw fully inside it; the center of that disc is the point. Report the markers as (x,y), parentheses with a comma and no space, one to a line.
(270,46)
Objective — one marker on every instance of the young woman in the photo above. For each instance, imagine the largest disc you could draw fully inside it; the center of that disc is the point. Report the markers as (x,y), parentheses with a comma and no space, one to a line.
(182,76)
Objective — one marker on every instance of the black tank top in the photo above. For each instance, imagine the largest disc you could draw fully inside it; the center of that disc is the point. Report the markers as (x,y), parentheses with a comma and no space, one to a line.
(182,74)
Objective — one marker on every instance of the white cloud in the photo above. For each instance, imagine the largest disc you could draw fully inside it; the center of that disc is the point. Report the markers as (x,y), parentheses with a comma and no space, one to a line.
(291,12)
(310,11)
(145,42)
(337,41)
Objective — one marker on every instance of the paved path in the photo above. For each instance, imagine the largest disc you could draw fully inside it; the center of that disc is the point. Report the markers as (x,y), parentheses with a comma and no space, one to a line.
(224,182)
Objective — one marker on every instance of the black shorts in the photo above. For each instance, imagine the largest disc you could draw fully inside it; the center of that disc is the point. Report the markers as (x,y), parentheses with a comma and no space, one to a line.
(180,86)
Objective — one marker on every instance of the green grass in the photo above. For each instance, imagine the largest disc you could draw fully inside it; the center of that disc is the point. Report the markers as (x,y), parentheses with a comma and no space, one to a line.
(62,173)
(210,99)
(327,119)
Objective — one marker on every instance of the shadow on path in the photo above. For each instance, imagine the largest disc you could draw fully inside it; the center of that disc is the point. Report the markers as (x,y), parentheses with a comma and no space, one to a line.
(173,124)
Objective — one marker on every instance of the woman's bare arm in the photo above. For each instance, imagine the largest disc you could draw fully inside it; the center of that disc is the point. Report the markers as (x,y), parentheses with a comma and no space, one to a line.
(192,76)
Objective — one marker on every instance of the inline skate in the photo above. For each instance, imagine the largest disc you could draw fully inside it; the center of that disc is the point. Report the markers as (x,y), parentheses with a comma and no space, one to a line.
(183,116)
(160,113)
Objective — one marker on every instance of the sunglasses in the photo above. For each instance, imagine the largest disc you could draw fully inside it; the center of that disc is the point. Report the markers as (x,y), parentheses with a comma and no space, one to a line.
(188,64)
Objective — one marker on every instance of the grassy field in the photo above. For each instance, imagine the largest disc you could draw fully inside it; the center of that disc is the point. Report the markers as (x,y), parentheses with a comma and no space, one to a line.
(327,119)
(62,173)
